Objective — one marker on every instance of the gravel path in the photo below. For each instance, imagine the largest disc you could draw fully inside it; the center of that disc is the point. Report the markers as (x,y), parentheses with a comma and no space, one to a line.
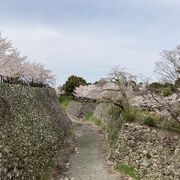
(89,162)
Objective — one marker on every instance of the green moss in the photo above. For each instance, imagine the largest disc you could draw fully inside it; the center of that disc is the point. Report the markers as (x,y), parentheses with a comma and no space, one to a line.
(128,170)
(65,100)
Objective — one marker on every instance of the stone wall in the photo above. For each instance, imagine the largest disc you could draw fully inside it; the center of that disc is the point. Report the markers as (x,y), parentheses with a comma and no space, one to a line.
(32,130)
(154,154)
(79,109)
(102,112)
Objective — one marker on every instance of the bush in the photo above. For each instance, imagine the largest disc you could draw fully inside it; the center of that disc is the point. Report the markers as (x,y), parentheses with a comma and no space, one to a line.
(129,115)
(167,91)
(149,121)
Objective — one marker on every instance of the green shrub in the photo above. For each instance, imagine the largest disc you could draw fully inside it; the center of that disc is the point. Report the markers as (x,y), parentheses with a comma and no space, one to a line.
(128,170)
(65,100)
(149,121)
(167,91)
(129,115)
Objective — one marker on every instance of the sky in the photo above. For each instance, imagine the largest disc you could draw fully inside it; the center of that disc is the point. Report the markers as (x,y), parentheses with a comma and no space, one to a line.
(89,37)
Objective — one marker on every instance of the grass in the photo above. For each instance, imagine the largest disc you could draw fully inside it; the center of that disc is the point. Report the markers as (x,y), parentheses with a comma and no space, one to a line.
(172,125)
(128,170)
(65,100)
(87,116)
(113,130)
(130,115)
(150,121)
(91,118)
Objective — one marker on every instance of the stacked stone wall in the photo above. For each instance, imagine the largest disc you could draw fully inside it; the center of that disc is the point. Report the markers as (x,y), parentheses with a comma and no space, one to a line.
(32,130)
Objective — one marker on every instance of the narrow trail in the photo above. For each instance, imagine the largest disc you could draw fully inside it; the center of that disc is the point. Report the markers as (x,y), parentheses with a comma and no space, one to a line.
(89,162)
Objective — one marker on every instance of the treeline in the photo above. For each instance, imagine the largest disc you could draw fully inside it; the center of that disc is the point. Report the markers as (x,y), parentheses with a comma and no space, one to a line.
(15,69)
(121,88)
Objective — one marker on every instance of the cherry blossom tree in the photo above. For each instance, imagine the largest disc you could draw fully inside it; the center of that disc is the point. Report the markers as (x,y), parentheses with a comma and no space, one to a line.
(117,89)
(14,68)
(36,75)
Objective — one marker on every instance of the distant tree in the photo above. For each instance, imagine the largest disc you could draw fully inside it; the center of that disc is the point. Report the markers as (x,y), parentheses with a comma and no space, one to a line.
(117,89)
(155,85)
(169,67)
(125,83)
(169,70)
(72,83)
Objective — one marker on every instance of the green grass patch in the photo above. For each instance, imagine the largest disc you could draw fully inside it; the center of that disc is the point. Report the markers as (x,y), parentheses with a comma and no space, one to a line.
(115,111)
(128,170)
(65,100)
(130,115)
(87,116)
(147,118)
(172,125)
(91,118)
(113,132)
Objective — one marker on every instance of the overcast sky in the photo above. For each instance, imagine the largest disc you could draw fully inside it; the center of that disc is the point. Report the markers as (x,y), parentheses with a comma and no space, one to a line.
(89,37)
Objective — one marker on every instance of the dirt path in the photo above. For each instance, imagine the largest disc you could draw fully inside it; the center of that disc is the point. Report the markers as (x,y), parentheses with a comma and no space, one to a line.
(89,162)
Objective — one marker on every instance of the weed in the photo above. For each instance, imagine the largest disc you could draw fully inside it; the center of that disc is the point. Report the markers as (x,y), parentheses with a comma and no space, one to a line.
(92,118)
(87,116)
(128,170)
(150,121)
(129,115)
